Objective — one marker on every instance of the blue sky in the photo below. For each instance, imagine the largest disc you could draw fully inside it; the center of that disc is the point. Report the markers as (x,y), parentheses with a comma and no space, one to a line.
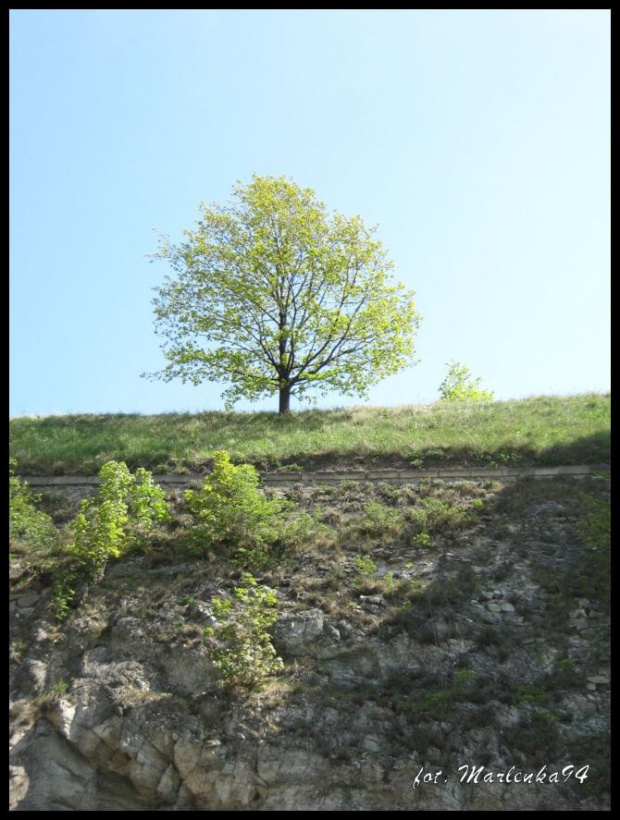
(478,141)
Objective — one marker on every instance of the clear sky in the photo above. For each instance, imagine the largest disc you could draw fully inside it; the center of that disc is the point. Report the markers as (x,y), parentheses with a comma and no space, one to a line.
(479,141)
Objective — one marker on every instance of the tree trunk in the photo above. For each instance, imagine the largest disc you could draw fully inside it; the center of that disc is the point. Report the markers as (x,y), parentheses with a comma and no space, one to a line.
(285,399)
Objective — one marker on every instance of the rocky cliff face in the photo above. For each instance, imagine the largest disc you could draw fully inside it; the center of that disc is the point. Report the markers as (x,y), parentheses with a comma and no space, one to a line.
(479,653)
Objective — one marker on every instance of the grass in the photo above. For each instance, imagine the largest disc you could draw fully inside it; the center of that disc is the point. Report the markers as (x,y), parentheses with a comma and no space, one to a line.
(544,430)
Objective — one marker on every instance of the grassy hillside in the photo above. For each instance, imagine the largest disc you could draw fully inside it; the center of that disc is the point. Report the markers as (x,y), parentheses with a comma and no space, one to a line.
(536,431)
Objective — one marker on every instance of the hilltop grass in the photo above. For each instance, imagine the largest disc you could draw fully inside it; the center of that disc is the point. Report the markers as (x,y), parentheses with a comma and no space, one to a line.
(543,430)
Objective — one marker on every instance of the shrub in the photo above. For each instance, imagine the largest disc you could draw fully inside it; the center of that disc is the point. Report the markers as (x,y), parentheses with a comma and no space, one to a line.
(126,508)
(28,525)
(232,512)
(242,651)
(147,504)
(365,566)
(460,385)
(422,540)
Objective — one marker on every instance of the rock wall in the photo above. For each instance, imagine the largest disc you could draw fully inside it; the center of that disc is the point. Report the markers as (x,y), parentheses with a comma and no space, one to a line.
(461,655)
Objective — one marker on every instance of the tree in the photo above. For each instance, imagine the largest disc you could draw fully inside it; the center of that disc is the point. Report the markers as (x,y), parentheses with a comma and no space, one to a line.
(460,385)
(275,295)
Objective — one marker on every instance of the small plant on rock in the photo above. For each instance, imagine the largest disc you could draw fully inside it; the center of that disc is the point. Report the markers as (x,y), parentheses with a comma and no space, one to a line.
(242,651)
(365,566)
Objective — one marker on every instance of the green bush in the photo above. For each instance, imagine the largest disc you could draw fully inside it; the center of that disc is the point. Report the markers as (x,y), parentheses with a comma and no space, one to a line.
(125,510)
(365,566)
(232,512)
(147,505)
(422,540)
(242,650)
(460,385)
(28,526)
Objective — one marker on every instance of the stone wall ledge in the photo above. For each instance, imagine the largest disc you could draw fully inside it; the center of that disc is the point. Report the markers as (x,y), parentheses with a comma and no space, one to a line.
(312,478)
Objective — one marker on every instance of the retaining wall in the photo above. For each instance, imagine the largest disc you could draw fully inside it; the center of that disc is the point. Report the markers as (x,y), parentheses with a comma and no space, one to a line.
(312,478)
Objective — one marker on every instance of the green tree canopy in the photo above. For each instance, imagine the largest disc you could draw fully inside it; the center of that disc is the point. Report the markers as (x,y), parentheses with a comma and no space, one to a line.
(274,295)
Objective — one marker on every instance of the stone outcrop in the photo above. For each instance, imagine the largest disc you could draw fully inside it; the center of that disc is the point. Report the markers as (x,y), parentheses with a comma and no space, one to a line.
(384,698)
